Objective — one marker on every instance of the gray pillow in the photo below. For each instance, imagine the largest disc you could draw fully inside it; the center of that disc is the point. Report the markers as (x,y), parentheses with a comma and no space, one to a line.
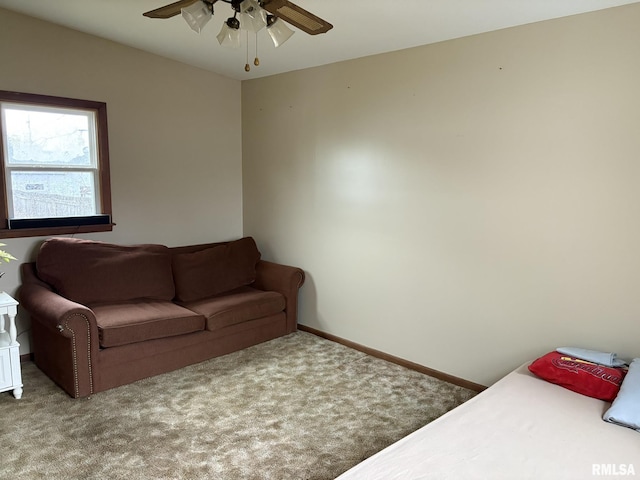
(624,409)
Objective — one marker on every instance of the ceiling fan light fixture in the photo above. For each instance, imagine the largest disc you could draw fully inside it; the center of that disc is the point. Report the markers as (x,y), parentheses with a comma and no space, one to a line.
(229,35)
(250,7)
(249,16)
(251,24)
(278,30)
(252,17)
(197,15)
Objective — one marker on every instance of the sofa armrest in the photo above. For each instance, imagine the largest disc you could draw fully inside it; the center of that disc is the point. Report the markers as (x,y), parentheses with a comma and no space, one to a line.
(64,333)
(284,279)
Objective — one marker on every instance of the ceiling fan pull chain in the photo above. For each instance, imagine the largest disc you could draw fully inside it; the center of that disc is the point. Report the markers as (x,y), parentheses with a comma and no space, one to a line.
(256,61)
(246,65)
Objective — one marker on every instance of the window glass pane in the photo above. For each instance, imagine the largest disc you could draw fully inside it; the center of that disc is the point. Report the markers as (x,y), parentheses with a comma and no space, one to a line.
(52,194)
(54,161)
(49,136)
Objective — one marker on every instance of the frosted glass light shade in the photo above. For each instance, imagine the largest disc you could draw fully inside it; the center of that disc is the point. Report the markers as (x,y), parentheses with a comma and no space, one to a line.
(252,17)
(252,24)
(196,15)
(229,37)
(279,32)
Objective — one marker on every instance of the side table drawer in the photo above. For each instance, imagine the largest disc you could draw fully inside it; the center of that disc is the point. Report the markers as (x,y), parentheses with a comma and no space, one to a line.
(5,369)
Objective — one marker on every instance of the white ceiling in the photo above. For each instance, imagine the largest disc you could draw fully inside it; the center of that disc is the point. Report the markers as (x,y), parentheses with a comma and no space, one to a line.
(361,28)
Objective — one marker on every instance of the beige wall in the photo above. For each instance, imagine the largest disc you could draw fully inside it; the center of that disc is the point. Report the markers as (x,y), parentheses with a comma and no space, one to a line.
(174,135)
(467,205)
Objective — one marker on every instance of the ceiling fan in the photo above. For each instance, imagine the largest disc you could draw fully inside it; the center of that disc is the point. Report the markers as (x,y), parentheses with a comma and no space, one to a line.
(248,16)
(283,9)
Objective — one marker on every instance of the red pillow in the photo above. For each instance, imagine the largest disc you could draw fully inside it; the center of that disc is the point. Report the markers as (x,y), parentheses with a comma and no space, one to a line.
(580,376)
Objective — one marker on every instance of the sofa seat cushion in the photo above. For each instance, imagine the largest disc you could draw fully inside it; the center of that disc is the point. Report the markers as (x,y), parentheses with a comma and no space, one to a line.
(130,322)
(240,305)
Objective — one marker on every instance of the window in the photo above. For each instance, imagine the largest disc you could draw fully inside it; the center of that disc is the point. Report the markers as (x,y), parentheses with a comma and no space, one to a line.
(55,166)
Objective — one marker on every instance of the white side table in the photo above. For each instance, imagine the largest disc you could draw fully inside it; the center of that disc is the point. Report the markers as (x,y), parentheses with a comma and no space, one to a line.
(10,374)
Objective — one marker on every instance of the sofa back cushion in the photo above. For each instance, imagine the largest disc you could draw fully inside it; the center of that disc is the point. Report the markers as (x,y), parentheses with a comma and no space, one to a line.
(215,270)
(90,272)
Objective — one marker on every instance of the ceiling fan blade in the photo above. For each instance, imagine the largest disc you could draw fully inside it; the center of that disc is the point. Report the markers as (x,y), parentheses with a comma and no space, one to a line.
(297,16)
(170,10)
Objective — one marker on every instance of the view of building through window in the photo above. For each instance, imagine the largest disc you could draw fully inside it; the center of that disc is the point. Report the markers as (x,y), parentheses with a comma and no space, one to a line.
(50,161)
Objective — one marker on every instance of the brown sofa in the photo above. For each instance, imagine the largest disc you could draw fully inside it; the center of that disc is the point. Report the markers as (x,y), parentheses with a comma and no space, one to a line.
(105,315)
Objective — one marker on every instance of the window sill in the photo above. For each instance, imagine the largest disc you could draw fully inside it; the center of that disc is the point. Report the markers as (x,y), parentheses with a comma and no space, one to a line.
(44,232)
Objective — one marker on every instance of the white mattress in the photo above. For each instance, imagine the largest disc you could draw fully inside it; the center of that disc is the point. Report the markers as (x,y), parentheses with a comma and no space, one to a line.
(520,428)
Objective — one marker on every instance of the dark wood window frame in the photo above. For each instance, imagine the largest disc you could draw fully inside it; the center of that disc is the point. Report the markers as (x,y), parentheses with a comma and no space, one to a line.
(104,179)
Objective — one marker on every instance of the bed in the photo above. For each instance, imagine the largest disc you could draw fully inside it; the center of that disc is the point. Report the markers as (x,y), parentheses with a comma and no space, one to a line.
(522,427)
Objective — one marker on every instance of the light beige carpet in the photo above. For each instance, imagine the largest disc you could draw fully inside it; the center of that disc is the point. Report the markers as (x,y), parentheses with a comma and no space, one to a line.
(298,407)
